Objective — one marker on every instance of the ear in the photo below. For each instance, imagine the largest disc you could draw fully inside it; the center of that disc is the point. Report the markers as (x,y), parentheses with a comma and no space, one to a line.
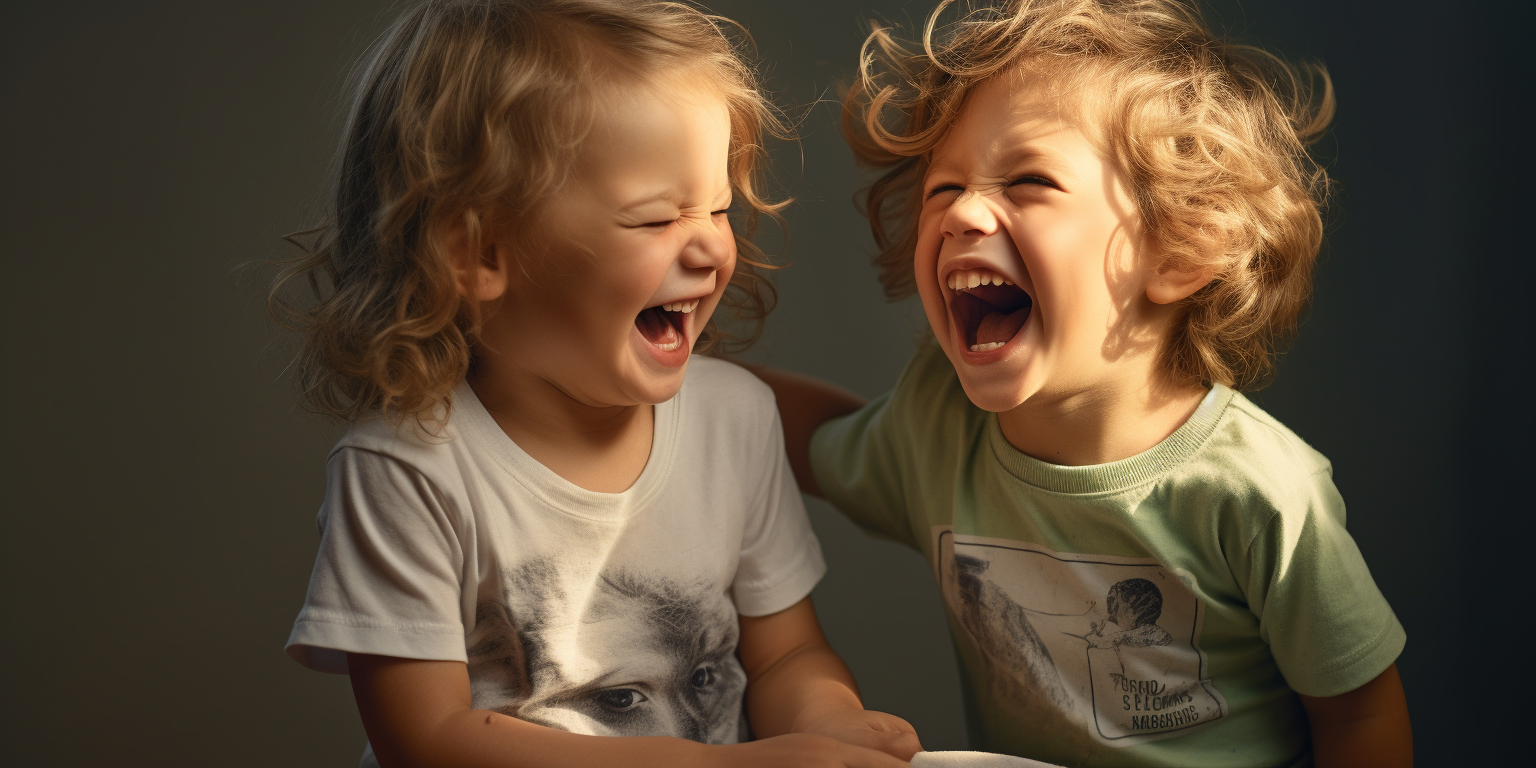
(1171,285)
(481,264)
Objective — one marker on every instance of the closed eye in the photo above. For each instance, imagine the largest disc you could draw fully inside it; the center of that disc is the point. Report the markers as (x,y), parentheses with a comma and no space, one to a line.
(1041,180)
(942,188)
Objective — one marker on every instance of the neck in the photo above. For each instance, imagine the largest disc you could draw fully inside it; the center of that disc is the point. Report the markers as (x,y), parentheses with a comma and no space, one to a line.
(594,446)
(1100,425)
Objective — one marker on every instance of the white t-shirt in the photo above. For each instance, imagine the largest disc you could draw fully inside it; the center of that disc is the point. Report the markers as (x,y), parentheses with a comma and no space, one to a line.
(600,613)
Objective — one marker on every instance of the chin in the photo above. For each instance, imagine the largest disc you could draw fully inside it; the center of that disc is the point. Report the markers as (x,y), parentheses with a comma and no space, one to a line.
(651,387)
(994,389)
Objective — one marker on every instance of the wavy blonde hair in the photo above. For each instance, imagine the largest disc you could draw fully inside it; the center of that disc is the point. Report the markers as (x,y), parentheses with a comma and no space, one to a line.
(1212,136)
(471,111)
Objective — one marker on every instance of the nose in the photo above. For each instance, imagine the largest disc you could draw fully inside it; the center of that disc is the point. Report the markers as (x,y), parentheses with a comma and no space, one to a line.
(969,215)
(711,247)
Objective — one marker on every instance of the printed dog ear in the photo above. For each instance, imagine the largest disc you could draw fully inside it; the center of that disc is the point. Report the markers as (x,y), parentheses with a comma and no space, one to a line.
(497,660)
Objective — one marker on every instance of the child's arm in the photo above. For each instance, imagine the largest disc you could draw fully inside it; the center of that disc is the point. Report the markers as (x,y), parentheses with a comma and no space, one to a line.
(797,684)
(418,715)
(805,404)
(1364,728)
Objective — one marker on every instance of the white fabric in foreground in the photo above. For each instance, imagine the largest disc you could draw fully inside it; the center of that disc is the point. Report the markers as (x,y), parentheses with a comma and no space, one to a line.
(974,760)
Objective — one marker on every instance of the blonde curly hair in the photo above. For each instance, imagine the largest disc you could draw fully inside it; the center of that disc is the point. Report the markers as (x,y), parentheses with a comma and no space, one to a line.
(1212,136)
(472,111)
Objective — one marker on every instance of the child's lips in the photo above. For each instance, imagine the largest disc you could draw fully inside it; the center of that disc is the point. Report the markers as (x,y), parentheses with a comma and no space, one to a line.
(666,329)
(663,328)
(988,304)
(987,309)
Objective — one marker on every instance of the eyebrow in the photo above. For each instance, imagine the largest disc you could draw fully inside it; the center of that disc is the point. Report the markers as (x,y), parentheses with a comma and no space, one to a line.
(670,196)
(665,196)
(1013,158)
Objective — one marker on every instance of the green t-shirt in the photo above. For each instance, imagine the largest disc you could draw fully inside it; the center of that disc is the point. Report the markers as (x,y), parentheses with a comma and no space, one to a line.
(1162,610)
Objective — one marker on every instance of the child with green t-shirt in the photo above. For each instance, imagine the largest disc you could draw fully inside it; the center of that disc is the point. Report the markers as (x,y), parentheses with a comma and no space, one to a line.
(1111,218)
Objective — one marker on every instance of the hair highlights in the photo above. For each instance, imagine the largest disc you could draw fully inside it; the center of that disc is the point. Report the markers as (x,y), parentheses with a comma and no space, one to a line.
(471,112)
(1213,137)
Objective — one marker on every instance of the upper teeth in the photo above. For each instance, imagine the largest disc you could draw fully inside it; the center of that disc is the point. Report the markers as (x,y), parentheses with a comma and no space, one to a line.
(681,306)
(965,279)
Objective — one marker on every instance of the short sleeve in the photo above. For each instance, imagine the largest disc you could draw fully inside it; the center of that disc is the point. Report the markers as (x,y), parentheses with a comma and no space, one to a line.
(1326,623)
(387,579)
(780,557)
(866,462)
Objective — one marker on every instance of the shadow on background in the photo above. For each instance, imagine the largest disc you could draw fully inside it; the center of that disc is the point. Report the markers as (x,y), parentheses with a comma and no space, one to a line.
(163,483)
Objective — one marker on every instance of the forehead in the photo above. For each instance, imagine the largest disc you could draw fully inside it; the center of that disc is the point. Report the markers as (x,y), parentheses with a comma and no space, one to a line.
(1015,115)
(657,137)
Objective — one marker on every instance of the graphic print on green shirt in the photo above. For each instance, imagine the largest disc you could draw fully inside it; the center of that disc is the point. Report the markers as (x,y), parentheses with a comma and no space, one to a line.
(1115,639)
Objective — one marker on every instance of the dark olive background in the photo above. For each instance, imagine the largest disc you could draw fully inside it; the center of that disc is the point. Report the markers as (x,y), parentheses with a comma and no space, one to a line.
(160,482)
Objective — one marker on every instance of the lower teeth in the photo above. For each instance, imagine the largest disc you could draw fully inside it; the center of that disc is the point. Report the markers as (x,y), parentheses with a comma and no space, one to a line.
(671,345)
(987,347)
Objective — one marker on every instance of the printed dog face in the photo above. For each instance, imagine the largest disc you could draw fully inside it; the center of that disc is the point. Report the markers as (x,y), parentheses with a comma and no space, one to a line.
(636,656)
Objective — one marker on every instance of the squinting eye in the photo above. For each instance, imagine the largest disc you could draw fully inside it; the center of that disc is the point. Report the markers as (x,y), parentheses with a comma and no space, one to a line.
(1041,180)
(936,191)
(721,212)
(658,224)
(620,699)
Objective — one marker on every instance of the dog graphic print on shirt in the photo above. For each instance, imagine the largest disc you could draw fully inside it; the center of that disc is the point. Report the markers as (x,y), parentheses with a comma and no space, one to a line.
(619,653)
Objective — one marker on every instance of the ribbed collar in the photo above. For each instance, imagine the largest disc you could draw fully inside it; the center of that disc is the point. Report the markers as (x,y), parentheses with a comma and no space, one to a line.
(1116,475)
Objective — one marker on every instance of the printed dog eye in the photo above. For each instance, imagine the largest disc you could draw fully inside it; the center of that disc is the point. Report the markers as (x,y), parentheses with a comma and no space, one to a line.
(620,699)
(703,676)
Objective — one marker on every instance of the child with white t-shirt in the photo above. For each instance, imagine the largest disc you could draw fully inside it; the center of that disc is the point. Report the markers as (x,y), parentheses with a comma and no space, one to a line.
(548,521)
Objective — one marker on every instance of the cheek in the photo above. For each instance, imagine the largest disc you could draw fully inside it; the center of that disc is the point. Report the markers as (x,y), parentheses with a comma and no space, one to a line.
(925,257)
(1070,262)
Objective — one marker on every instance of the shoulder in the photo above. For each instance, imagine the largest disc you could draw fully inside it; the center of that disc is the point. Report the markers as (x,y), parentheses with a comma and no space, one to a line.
(1261,466)
(921,426)
(435,453)
(725,391)
(927,387)
(1249,432)
(930,402)
(929,375)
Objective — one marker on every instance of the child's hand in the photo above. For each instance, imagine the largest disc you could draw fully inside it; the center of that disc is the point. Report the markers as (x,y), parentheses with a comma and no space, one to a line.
(873,730)
(808,750)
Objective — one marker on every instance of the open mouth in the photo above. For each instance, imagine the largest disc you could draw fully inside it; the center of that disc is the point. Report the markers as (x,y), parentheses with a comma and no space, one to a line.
(665,326)
(987,308)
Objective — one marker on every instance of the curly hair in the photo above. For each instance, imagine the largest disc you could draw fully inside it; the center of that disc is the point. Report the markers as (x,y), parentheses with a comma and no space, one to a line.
(471,112)
(1212,136)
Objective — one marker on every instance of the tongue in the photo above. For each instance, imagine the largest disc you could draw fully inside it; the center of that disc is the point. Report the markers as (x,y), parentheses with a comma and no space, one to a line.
(655,327)
(997,326)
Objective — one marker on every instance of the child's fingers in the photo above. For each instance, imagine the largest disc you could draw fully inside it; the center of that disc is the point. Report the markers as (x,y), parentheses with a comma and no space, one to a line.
(860,757)
(901,745)
(885,721)
(806,750)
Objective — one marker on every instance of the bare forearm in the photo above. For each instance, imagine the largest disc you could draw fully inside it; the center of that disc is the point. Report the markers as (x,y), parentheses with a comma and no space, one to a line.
(418,715)
(804,404)
(469,738)
(803,687)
